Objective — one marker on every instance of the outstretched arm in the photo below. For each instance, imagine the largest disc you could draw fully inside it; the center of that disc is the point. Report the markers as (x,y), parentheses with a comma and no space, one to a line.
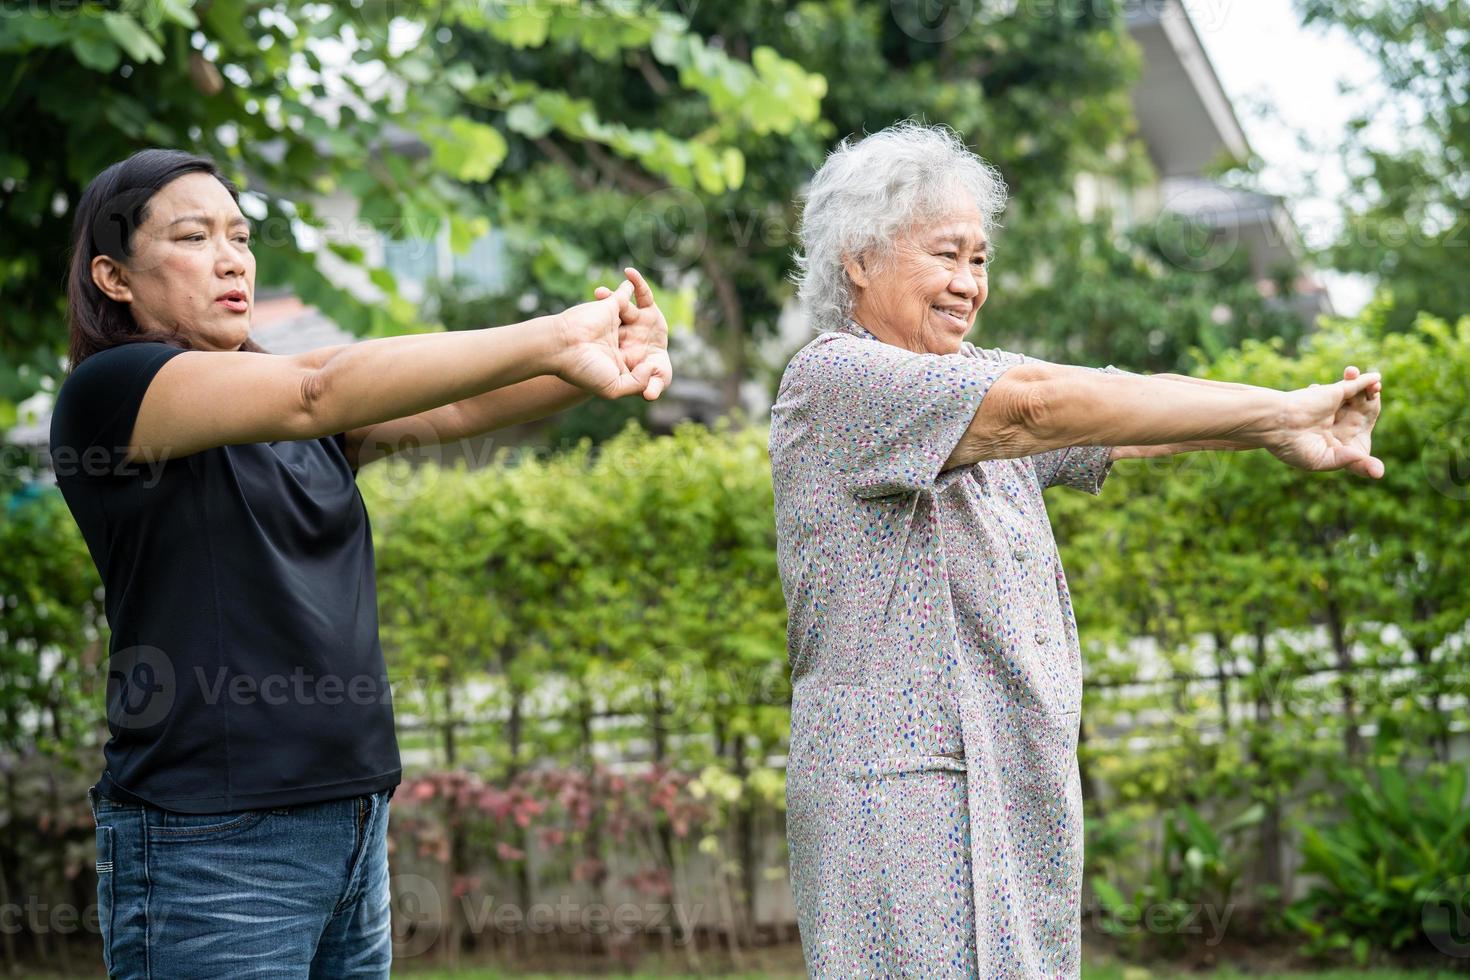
(1035,407)
(1198,445)
(642,336)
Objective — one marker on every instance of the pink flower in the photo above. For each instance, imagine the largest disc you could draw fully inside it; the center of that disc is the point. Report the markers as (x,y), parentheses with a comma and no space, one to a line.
(586,869)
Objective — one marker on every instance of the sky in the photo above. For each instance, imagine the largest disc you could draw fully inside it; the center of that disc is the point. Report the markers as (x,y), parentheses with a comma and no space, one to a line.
(1285,81)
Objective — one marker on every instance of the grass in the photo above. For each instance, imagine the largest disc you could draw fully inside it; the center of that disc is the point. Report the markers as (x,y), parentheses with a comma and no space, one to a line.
(783,962)
(1118,972)
(476,974)
(1106,971)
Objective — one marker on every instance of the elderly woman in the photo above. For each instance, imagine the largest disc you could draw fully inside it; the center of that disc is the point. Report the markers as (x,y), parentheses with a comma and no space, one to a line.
(934,805)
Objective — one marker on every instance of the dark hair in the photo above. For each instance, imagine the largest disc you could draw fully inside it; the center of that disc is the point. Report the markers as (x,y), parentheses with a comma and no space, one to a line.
(111,209)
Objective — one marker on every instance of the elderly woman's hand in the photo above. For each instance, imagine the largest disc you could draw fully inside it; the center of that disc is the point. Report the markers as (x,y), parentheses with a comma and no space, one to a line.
(1329,427)
(643,336)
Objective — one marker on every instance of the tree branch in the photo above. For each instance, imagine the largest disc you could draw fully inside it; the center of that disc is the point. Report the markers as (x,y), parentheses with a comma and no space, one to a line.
(620,173)
(548,146)
(651,74)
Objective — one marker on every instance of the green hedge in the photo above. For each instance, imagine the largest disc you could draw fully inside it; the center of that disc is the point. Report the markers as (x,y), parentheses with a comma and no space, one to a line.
(624,602)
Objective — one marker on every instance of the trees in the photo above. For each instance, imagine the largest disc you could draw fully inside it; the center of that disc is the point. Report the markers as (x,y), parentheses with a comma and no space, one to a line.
(1038,94)
(1405,219)
(85,85)
(1141,298)
(589,133)
(1040,90)
(299,99)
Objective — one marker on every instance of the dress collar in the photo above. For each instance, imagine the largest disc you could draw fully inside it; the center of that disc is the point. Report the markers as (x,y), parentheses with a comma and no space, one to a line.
(858,330)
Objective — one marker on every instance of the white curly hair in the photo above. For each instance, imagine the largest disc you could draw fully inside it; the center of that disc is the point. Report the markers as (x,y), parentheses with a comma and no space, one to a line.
(868,192)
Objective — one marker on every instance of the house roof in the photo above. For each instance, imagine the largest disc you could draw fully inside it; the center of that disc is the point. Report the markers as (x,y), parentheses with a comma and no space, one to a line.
(285,325)
(1183,112)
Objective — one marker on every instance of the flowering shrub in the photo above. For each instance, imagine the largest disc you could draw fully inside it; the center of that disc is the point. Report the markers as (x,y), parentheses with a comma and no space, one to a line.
(576,819)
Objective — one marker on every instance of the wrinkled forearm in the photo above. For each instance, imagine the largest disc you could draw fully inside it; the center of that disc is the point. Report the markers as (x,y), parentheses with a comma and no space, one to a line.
(1037,406)
(1190,446)
(1072,406)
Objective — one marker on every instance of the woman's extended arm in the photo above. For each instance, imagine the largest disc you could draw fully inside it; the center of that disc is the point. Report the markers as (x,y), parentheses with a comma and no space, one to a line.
(643,335)
(202,399)
(1036,407)
(1198,445)
(524,401)
(1193,445)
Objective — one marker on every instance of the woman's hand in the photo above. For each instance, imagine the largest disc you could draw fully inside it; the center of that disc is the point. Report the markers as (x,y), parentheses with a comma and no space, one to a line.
(1330,427)
(591,356)
(643,336)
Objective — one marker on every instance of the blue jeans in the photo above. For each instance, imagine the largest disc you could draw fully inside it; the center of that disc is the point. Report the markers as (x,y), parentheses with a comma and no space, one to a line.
(295,891)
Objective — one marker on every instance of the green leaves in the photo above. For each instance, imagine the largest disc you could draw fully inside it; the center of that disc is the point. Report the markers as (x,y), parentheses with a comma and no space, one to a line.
(770,95)
(464,149)
(96,51)
(98,38)
(51,594)
(519,25)
(463,232)
(644,573)
(225,20)
(1404,216)
(535,112)
(1377,886)
(132,38)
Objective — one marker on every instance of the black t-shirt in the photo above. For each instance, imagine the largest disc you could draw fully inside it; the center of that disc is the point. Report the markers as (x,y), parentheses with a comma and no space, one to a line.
(245,667)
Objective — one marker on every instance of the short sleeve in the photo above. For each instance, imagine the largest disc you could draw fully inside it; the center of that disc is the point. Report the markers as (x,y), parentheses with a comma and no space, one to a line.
(885,418)
(97,406)
(339,440)
(1079,467)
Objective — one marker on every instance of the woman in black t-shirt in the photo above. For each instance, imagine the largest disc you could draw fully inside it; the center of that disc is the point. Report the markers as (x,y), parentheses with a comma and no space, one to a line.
(242,810)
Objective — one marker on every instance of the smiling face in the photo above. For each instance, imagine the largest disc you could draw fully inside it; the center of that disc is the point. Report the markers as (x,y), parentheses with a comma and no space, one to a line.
(925,296)
(191,271)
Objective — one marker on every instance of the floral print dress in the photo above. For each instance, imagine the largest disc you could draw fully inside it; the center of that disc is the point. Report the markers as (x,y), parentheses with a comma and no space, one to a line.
(934,807)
